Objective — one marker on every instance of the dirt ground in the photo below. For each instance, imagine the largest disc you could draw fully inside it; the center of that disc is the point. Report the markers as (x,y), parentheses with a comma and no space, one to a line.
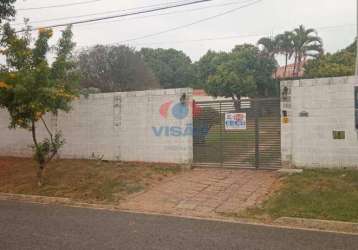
(82,180)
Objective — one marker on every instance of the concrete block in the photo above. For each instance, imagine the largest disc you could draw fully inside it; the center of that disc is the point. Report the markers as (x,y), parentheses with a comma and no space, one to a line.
(330,105)
(91,128)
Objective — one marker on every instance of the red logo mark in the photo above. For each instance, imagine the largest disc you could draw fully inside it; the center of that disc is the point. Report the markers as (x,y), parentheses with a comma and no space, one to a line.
(166,107)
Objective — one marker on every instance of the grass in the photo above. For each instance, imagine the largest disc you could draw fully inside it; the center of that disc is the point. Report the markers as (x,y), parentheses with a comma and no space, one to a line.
(242,136)
(315,194)
(82,180)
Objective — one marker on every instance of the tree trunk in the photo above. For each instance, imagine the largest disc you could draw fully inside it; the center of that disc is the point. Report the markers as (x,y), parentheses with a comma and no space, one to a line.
(40,175)
(299,65)
(236,100)
(286,63)
(41,165)
(294,66)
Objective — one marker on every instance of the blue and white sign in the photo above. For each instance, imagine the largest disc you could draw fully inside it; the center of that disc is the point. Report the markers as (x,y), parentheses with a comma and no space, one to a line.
(235,121)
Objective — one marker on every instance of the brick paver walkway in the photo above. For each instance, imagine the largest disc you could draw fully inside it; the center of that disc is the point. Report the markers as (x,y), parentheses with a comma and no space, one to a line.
(206,192)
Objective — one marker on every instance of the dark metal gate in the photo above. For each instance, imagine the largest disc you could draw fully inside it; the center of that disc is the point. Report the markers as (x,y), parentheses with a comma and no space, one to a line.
(242,135)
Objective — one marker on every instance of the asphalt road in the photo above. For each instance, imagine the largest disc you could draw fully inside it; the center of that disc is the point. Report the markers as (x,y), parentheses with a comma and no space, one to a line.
(29,226)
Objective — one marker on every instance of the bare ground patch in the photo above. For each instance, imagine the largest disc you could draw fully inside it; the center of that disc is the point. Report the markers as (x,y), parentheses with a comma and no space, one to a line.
(82,180)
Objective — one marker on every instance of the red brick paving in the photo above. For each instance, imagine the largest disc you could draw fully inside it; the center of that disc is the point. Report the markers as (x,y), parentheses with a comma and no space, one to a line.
(206,192)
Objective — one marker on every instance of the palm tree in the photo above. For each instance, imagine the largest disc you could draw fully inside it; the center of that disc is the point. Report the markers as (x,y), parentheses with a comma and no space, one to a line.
(285,46)
(306,43)
(269,45)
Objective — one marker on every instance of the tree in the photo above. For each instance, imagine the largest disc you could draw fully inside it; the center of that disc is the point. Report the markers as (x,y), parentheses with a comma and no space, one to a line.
(285,47)
(173,68)
(208,65)
(341,63)
(31,88)
(269,46)
(306,44)
(114,69)
(246,72)
(301,44)
(7,9)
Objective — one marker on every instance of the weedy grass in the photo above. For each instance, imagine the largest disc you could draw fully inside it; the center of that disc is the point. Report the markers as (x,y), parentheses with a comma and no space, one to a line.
(82,180)
(315,194)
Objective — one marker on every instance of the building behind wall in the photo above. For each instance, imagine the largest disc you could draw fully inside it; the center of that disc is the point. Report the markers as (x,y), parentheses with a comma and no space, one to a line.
(320,123)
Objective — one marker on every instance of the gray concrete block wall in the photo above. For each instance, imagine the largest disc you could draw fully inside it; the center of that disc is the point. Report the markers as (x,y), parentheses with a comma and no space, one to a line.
(118,126)
(308,141)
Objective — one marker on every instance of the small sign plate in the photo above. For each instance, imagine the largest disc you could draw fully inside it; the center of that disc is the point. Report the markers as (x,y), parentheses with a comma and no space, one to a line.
(235,121)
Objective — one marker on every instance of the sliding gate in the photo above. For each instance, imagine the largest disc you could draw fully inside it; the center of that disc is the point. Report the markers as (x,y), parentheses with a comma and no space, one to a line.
(245,134)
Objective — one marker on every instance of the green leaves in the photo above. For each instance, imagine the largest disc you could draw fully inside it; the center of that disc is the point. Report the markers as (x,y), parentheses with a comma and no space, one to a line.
(7,9)
(115,68)
(301,43)
(173,68)
(48,147)
(36,87)
(31,87)
(332,65)
(208,64)
(64,67)
(270,46)
(243,72)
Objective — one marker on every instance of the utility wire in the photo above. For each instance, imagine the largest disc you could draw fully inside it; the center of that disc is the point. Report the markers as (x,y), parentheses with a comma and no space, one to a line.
(117,16)
(173,12)
(191,24)
(327,28)
(100,13)
(58,5)
(235,36)
(202,39)
(123,10)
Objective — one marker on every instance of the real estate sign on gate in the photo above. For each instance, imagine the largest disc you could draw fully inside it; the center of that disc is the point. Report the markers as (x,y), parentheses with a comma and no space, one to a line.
(235,121)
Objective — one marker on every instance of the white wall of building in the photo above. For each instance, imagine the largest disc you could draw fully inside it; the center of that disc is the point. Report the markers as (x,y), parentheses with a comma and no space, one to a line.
(119,126)
(316,108)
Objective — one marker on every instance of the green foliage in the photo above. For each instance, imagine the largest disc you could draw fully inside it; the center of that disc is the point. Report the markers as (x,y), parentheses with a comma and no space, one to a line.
(48,147)
(306,44)
(243,72)
(115,68)
(208,64)
(30,87)
(270,46)
(7,9)
(173,68)
(33,88)
(301,43)
(341,63)
(88,91)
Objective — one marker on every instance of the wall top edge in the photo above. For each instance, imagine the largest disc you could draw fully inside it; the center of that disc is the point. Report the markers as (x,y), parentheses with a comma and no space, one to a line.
(154,92)
(352,80)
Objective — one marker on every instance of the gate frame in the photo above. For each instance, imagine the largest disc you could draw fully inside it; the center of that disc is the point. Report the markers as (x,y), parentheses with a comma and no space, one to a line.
(256,107)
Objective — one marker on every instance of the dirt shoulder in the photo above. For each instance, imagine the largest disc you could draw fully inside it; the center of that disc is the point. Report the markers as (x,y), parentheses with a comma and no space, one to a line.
(82,180)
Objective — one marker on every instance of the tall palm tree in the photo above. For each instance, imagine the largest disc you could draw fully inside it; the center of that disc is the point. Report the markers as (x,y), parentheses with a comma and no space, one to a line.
(306,44)
(269,45)
(285,47)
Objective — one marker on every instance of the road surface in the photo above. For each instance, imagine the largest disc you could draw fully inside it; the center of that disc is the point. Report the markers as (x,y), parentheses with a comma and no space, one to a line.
(30,226)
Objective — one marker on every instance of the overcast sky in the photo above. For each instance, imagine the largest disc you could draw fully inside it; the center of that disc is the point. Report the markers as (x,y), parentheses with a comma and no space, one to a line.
(267,17)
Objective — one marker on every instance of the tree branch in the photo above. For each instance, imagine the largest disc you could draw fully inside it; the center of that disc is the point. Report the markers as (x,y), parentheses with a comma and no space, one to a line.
(33,131)
(48,130)
(54,153)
